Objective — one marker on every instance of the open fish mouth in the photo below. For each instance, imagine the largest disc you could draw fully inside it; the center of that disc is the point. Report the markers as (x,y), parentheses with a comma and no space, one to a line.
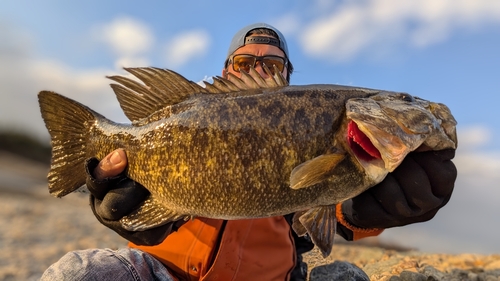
(360,144)
(376,147)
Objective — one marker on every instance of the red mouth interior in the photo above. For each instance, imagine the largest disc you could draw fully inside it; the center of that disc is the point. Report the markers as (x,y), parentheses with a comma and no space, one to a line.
(361,144)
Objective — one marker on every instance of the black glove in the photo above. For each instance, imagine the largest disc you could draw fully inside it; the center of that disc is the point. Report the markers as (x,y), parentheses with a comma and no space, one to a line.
(115,197)
(414,192)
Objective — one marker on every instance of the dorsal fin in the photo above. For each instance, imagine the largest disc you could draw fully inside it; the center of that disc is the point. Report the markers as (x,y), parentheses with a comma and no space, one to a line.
(163,87)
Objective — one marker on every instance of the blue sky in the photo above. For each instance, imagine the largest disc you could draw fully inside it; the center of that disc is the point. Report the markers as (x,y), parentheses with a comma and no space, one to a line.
(442,50)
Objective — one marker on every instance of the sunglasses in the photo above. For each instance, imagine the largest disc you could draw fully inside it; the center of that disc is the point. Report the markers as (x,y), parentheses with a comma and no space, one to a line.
(245,62)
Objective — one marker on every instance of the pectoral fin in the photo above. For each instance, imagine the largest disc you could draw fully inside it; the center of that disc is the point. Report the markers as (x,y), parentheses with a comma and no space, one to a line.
(321,224)
(149,215)
(315,170)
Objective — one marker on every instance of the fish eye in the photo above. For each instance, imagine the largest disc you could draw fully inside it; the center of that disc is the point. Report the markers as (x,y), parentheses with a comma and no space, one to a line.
(406,97)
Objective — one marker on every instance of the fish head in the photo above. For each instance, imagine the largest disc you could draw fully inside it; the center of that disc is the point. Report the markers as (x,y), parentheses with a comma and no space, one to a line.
(382,129)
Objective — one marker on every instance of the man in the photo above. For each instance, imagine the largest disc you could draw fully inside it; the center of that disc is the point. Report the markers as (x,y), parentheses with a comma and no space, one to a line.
(252,249)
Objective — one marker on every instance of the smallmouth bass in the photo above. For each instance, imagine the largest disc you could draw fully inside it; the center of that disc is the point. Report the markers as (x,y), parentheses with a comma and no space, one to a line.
(244,148)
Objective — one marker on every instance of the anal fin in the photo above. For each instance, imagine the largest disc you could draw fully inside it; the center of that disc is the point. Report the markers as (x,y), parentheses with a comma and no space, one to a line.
(149,215)
(321,224)
(297,226)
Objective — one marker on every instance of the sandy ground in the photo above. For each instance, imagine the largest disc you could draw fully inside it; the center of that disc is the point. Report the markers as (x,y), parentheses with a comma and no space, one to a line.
(36,228)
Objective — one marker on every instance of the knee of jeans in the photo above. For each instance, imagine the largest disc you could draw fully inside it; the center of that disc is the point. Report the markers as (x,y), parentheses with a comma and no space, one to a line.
(92,264)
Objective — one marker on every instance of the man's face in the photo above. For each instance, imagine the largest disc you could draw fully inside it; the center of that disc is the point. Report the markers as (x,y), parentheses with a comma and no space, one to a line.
(256,50)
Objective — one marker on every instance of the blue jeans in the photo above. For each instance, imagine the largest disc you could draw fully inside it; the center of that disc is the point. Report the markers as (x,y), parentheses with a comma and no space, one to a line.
(107,264)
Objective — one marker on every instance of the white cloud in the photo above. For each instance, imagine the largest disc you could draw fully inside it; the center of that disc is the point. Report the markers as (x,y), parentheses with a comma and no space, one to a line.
(186,46)
(15,43)
(483,165)
(338,37)
(126,36)
(19,89)
(131,62)
(22,77)
(287,24)
(355,26)
(473,136)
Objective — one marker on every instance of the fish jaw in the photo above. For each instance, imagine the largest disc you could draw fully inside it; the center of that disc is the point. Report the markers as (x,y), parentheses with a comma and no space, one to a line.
(375,147)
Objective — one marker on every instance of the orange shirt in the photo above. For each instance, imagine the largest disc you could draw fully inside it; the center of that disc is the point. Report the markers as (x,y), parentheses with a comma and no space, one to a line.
(252,249)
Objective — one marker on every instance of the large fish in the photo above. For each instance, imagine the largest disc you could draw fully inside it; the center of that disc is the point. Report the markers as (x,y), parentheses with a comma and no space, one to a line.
(244,148)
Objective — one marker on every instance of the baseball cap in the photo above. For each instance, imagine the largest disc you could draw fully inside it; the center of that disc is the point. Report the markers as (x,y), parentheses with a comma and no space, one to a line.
(240,40)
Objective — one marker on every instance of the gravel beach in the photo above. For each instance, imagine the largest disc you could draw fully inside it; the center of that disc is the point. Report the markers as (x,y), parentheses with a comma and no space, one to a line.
(38,229)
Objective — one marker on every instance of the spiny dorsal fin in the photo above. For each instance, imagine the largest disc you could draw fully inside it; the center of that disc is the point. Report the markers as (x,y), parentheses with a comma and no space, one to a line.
(221,84)
(253,80)
(248,81)
(163,87)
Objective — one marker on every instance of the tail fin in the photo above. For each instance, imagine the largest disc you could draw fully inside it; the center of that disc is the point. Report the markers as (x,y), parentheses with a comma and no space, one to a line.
(67,122)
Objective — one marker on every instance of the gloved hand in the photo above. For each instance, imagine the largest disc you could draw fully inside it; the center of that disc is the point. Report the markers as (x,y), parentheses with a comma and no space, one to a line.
(414,192)
(113,196)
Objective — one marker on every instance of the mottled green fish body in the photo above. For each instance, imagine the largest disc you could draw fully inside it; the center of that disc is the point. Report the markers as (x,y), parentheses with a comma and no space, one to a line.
(243,148)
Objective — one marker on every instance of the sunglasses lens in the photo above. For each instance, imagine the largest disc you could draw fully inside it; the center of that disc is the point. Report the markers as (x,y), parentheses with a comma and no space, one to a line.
(243,62)
(270,61)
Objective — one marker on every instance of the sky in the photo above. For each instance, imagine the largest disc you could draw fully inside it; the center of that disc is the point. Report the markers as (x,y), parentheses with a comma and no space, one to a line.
(442,50)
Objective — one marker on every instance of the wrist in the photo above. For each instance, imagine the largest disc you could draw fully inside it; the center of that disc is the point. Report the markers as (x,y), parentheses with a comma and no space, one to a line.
(358,232)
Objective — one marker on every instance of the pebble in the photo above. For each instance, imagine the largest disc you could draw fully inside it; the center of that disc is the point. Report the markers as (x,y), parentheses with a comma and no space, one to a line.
(339,270)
